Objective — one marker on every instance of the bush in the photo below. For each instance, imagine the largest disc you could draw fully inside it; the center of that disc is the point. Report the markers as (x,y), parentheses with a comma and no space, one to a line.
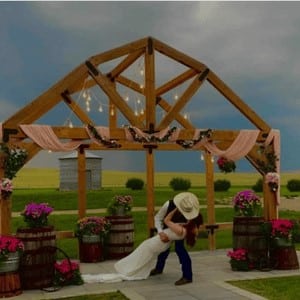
(180,184)
(293,185)
(258,187)
(222,185)
(135,184)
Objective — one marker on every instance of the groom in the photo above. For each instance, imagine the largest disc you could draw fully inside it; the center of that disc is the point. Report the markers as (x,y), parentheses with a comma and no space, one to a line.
(185,203)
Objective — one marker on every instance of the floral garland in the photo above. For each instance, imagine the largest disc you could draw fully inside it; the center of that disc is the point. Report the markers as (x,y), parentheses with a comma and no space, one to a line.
(103,141)
(269,164)
(150,138)
(187,144)
(14,161)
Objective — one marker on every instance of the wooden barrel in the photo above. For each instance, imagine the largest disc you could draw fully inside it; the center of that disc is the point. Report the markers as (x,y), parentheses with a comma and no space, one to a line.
(10,284)
(248,234)
(37,261)
(90,249)
(121,237)
(284,258)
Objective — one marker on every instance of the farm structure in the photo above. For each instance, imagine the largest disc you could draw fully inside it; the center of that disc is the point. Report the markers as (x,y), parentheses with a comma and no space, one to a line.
(149,129)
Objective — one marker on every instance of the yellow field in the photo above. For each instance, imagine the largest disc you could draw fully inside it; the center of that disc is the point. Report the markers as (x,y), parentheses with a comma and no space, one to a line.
(49,178)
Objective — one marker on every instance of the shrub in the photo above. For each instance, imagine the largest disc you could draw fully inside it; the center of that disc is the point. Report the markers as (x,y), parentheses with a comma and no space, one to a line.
(222,185)
(293,185)
(258,187)
(135,184)
(180,184)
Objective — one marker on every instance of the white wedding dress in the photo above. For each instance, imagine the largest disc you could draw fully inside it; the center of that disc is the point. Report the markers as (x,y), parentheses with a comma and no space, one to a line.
(138,264)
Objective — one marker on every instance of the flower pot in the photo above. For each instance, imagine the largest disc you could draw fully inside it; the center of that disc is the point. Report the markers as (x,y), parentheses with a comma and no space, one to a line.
(90,249)
(11,263)
(284,256)
(239,265)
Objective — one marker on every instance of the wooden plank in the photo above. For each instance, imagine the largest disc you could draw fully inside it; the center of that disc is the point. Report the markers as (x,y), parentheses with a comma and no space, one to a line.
(119,51)
(46,101)
(150,189)
(109,89)
(236,101)
(178,56)
(173,83)
(182,101)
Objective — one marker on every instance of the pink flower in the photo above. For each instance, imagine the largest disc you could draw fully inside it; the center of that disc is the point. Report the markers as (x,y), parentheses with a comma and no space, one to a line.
(238,254)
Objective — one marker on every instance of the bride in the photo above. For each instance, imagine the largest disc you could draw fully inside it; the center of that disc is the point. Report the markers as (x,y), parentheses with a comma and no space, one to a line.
(138,264)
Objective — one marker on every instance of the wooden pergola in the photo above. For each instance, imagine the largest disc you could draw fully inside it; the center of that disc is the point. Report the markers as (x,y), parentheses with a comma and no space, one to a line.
(89,74)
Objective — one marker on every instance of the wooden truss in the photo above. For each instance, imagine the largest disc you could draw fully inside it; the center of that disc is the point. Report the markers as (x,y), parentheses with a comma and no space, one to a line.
(89,74)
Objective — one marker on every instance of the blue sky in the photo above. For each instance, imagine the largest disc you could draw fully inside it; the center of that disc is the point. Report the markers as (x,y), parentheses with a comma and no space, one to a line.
(253,46)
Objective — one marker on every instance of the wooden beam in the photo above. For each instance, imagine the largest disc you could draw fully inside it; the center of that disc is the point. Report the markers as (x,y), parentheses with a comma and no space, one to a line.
(83,117)
(81,166)
(178,56)
(109,89)
(119,51)
(236,101)
(183,100)
(178,117)
(130,59)
(175,82)
(46,101)
(150,189)
(150,87)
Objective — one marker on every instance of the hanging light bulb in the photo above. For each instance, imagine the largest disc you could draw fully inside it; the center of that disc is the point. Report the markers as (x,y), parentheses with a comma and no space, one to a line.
(212,159)
(136,112)
(100,109)
(142,111)
(126,98)
(185,116)
(141,85)
(84,95)
(89,98)
(202,156)
(138,100)
(112,112)
(142,72)
(176,96)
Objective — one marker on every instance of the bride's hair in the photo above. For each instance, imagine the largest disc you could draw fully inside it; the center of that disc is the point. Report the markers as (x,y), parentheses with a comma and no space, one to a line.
(192,230)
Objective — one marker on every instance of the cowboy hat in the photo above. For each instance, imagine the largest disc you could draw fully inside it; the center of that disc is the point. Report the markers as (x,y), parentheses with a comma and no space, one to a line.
(188,204)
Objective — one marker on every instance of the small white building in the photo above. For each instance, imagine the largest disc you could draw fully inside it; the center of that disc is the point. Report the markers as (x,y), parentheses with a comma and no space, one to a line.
(69,176)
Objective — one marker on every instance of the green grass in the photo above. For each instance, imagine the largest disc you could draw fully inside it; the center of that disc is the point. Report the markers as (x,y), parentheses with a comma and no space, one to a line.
(283,288)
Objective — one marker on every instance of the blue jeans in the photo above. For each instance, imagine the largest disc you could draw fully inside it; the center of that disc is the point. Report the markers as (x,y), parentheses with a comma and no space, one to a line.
(184,259)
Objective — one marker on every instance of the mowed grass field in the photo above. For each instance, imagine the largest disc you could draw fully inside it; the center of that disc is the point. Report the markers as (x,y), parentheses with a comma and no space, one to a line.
(49,178)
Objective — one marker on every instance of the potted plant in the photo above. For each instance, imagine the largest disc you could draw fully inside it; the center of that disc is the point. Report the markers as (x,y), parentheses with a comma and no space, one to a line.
(120,205)
(239,259)
(91,233)
(6,188)
(67,272)
(36,214)
(226,165)
(246,203)
(11,249)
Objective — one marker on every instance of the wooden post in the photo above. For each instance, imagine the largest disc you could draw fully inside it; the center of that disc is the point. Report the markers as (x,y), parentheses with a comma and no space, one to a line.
(81,182)
(150,189)
(5,204)
(270,203)
(210,200)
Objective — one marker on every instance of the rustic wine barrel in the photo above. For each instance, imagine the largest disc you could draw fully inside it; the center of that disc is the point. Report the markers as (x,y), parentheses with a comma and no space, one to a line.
(284,258)
(37,261)
(10,284)
(248,234)
(90,249)
(121,237)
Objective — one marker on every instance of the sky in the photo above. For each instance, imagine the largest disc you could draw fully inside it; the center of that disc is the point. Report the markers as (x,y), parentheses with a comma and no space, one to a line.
(254,47)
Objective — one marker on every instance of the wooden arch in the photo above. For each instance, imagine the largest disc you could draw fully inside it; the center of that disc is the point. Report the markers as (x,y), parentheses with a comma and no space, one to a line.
(89,74)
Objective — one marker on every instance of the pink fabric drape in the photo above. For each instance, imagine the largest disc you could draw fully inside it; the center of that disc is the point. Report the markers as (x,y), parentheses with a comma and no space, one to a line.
(240,147)
(102,131)
(44,136)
